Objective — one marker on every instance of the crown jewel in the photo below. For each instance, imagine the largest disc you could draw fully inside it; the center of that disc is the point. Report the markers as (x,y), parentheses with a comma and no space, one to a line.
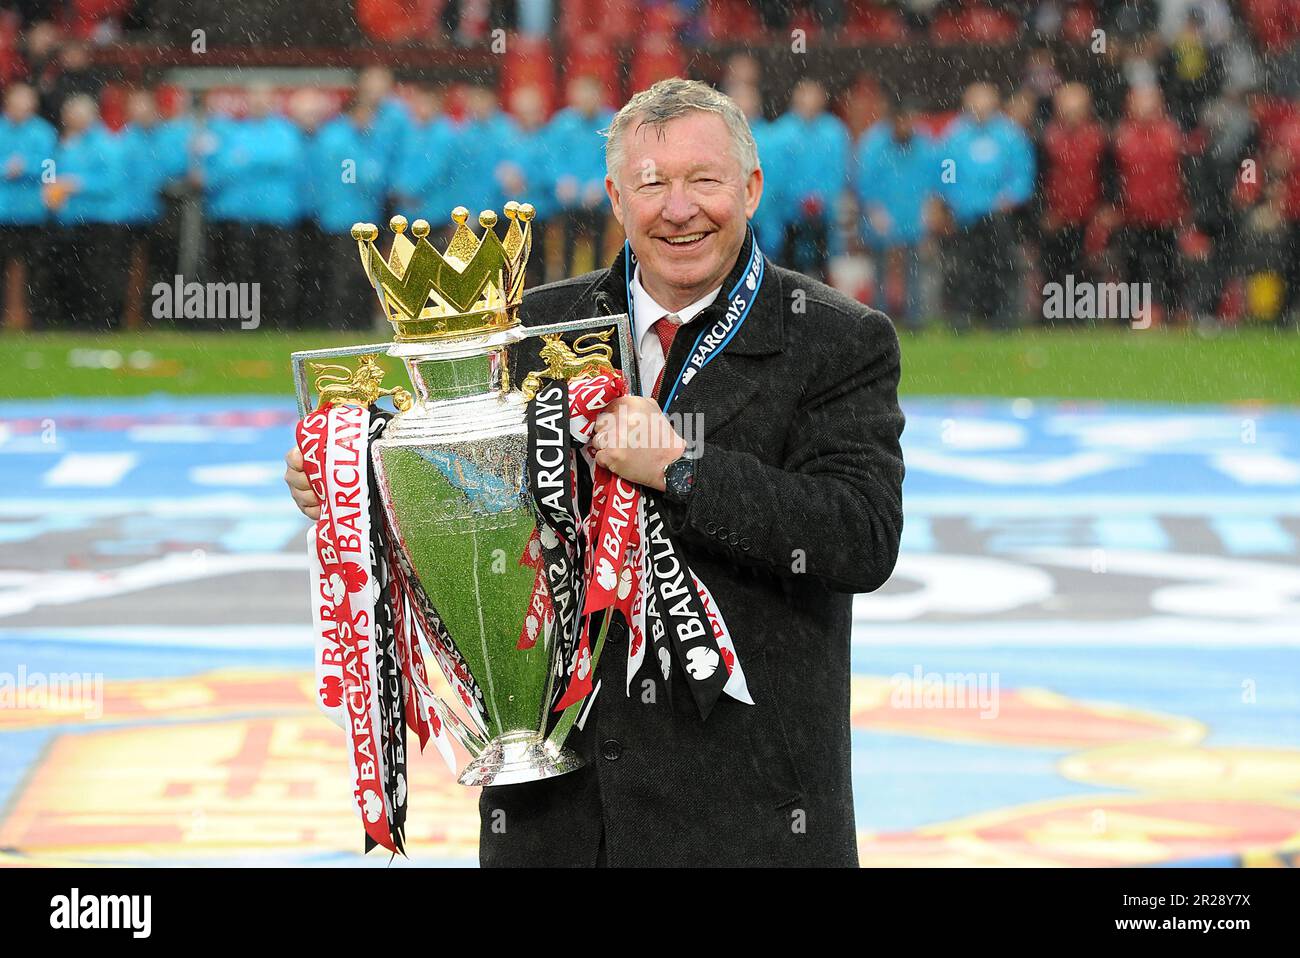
(475,287)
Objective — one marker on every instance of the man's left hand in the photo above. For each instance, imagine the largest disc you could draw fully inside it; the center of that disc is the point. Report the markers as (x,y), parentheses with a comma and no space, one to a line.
(635,440)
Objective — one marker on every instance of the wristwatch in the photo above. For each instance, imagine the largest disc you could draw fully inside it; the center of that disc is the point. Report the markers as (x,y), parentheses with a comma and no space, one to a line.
(679,477)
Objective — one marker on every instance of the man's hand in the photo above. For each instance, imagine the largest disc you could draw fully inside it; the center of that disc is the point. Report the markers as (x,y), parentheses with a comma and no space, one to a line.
(635,440)
(299,487)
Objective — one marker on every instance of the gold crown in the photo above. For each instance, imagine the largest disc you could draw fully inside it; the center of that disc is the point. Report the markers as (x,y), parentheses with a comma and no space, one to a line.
(475,287)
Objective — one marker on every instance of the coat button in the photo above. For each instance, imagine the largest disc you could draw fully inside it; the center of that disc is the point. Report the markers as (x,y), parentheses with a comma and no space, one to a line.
(744,543)
(612,749)
(710,528)
(722,533)
(734,538)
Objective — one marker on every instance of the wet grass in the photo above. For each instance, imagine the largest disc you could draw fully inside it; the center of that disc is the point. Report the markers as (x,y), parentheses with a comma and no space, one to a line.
(1152,366)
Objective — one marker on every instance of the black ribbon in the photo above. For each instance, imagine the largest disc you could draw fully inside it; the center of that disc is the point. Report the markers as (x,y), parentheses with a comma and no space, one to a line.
(675,615)
(390,681)
(549,457)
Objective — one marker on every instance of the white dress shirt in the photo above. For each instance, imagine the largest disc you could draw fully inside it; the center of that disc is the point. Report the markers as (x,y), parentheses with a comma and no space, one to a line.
(645,313)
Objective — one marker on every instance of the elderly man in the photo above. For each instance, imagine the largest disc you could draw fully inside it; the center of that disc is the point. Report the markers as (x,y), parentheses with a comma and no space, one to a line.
(789,504)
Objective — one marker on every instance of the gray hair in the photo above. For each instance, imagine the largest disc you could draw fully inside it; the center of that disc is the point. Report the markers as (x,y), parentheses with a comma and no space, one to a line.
(673,98)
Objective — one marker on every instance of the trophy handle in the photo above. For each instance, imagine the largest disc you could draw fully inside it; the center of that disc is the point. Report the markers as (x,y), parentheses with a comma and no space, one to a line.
(301,359)
(598,353)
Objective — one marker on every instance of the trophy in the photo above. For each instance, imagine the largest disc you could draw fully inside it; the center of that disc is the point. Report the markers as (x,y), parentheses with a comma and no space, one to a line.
(450,467)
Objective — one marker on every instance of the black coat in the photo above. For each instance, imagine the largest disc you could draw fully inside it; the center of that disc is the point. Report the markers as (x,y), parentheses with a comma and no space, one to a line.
(797,505)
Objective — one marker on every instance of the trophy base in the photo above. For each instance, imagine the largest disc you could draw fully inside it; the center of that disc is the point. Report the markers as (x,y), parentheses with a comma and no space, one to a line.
(519,757)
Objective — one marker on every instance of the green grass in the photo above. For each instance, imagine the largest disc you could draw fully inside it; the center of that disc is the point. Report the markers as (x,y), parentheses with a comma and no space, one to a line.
(1155,366)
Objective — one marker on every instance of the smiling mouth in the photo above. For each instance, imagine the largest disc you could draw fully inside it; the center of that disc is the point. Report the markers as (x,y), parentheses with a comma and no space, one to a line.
(688,240)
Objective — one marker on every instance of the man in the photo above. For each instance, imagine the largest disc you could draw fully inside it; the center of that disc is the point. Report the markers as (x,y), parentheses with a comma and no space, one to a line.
(817,147)
(1149,148)
(422,176)
(349,177)
(26,148)
(85,266)
(1076,159)
(573,135)
(529,175)
(986,172)
(793,503)
(254,186)
(897,172)
(480,157)
(767,222)
(139,202)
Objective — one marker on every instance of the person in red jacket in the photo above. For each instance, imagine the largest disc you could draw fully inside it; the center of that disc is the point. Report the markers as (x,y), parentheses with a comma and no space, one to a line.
(1287,147)
(1075,151)
(1148,149)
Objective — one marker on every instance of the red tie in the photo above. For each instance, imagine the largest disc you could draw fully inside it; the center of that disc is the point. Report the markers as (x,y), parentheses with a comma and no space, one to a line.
(665,329)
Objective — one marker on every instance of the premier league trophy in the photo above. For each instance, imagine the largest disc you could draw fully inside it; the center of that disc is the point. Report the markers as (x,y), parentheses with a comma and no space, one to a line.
(451,469)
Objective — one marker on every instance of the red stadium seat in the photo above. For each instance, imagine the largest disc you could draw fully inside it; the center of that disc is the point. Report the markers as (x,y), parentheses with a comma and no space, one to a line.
(529,63)
(657,57)
(1078,23)
(1272,116)
(398,21)
(84,15)
(1275,24)
(606,19)
(590,55)
(872,23)
(975,23)
(732,20)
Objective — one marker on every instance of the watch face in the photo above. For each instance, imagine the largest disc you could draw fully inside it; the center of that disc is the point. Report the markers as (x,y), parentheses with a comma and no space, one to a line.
(679,477)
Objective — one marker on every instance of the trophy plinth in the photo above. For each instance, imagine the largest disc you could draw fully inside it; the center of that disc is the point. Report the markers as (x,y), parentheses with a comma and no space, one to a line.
(519,757)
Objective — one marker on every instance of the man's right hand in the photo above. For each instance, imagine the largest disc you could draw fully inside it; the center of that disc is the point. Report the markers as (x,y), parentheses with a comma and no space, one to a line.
(296,479)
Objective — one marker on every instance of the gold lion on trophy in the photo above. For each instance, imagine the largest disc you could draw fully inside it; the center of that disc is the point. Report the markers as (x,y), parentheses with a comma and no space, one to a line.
(564,362)
(342,385)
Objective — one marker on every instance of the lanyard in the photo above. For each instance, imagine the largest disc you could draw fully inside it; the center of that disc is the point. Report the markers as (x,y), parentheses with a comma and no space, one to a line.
(713,339)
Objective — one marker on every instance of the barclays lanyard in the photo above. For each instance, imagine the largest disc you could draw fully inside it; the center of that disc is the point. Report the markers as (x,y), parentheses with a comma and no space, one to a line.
(712,339)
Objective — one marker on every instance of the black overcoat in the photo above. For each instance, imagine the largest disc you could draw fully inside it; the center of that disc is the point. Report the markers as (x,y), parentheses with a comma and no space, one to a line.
(797,505)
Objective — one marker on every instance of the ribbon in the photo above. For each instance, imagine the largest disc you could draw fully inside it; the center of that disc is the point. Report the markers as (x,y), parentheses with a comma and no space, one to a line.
(627,560)
(333,443)
(711,340)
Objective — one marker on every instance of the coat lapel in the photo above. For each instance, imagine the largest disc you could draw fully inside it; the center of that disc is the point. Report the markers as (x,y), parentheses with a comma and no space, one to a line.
(721,390)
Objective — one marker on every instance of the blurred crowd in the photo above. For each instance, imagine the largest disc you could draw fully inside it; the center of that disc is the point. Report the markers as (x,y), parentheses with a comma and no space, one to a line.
(1174,170)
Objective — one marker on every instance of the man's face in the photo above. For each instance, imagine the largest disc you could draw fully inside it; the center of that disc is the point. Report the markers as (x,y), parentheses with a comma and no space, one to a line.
(809,99)
(20,103)
(981,101)
(681,181)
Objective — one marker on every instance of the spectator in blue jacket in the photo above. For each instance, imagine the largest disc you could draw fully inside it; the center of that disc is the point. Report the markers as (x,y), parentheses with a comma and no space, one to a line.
(480,155)
(422,177)
(529,175)
(27,146)
(86,265)
(176,151)
(310,109)
(768,224)
(986,172)
(816,146)
(578,149)
(139,202)
(253,185)
(897,173)
(349,182)
(393,120)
